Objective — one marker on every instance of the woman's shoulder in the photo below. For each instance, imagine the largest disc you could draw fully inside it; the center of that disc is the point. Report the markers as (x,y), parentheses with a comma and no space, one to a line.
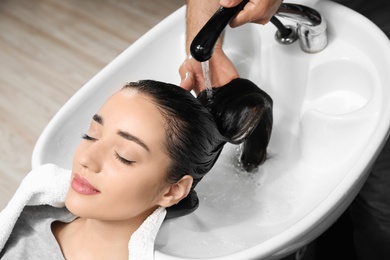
(37,219)
(32,233)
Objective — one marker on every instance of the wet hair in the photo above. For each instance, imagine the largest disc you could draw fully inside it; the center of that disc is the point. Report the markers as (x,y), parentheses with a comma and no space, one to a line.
(198,128)
(243,113)
(191,132)
(193,142)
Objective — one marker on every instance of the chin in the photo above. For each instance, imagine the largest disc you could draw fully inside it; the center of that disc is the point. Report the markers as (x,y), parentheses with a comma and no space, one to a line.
(79,205)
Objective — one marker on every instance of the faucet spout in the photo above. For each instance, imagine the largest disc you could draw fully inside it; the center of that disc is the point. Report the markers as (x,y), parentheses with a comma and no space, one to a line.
(311,26)
(202,46)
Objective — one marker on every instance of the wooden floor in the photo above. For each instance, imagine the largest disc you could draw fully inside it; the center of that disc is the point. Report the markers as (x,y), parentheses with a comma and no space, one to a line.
(48,50)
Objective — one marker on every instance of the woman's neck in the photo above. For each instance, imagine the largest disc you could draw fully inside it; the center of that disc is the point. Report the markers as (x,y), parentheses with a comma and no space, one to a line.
(96,239)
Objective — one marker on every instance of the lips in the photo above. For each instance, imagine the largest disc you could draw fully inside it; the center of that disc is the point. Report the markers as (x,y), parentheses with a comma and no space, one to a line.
(82,186)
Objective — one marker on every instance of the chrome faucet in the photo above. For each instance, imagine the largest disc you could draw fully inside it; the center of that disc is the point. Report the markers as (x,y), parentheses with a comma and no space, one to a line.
(311,27)
(310,30)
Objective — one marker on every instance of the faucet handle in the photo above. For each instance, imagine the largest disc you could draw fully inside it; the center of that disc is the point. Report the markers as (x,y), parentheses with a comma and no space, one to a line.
(311,26)
(202,46)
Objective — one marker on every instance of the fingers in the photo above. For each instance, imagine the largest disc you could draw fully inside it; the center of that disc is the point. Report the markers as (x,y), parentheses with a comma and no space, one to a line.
(187,75)
(187,81)
(229,3)
(191,75)
(222,71)
(256,11)
(251,12)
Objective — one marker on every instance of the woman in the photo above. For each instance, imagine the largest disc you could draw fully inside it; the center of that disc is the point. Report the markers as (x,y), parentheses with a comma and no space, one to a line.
(146,149)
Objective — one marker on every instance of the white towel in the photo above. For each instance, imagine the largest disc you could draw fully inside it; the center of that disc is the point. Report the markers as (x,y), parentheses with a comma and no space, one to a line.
(48,185)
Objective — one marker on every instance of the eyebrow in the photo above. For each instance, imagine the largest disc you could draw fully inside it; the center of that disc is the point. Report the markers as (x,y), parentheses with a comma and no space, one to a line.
(98,119)
(133,138)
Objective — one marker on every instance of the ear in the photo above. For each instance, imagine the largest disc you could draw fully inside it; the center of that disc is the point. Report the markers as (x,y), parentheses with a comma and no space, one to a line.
(176,192)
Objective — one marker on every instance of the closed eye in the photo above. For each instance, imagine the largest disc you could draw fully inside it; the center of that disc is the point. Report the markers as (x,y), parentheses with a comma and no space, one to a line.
(123,160)
(88,138)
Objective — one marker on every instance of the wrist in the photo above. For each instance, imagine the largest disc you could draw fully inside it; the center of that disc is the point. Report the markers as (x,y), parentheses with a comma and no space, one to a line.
(218,55)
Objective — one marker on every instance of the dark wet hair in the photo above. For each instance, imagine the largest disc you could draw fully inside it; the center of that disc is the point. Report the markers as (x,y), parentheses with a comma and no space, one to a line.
(197,131)
(193,142)
(192,134)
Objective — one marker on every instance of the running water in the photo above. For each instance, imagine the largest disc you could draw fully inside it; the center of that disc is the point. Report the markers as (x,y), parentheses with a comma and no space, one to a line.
(207,81)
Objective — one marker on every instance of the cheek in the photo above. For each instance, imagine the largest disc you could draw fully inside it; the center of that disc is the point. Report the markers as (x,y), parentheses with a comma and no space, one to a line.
(77,153)
(137,190)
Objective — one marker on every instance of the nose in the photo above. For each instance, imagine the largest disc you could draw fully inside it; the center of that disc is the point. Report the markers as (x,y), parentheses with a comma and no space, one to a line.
(90,155)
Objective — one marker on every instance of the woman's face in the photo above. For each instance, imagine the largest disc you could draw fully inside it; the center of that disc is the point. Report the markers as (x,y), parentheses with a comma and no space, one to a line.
(119,169)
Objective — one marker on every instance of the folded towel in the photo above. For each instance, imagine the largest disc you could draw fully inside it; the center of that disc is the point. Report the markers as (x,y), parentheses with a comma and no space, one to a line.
(48,185)
(141,244)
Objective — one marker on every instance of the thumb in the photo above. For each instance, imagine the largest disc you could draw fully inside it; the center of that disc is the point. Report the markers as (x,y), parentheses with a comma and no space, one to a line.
(188,81)
(229,3)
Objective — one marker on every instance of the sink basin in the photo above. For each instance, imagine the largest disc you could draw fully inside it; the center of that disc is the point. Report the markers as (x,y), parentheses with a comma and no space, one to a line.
(331,118)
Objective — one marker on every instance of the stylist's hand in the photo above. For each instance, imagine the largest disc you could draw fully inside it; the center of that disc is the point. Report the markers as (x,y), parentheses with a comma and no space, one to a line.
(222,72)
(255,11)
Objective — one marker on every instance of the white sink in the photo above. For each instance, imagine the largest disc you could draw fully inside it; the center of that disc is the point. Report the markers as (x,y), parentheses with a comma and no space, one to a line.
(331,118)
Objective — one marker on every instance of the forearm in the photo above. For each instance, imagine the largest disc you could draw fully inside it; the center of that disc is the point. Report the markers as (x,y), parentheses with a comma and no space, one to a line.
(198,13)
(222,69)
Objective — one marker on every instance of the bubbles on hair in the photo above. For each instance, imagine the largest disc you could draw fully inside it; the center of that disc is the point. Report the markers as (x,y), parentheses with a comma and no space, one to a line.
(239,170)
